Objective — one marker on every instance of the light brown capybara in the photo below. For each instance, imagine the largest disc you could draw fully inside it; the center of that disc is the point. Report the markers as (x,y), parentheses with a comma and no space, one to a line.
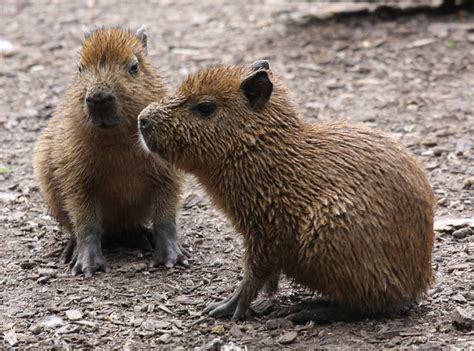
(94,176)
(339,208)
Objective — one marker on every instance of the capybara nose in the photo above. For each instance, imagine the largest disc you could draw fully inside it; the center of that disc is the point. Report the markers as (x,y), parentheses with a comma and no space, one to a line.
(101,99)
(144,123)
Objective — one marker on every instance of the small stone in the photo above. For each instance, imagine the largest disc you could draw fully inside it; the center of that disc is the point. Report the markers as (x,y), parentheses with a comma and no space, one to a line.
(429,141)
(462,318)
(287,338)
(459,298)
(235,331)
(73,315)
(468,182)
(218,329)
(273,324)
(165,338)
(10,337)
(462,233)
(7,49)
(51,322)
(36,329)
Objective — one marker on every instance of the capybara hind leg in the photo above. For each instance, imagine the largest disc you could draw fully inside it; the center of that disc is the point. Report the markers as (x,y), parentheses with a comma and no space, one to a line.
(88,257)
(168,251)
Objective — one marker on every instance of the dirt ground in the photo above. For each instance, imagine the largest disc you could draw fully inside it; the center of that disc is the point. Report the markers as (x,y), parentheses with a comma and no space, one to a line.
(412,76)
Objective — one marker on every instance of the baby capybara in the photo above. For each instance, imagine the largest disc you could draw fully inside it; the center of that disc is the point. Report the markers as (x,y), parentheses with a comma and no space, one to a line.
(338,208)
(91,170)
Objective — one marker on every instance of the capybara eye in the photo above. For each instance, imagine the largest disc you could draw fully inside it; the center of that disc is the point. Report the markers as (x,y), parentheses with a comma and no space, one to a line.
(205,108)
(80,68)
(134,68)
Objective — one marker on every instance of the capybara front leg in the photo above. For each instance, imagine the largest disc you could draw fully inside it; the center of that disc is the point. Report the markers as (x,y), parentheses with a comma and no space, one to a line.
(168,251)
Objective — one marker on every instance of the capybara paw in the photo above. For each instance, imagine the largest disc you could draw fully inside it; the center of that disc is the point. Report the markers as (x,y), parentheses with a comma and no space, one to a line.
(88,262)
(170,256)
(221,309)
(233,306)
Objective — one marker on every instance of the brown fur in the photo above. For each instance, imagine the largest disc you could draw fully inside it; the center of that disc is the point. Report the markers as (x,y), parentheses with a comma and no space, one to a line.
(92,176)
(339,208)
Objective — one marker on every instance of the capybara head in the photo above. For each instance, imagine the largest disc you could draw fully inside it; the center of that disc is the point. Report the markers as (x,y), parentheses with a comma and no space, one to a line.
(114,76)
(212,113)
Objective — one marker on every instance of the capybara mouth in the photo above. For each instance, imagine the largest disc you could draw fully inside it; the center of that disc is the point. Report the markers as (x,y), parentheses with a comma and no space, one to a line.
(104,120)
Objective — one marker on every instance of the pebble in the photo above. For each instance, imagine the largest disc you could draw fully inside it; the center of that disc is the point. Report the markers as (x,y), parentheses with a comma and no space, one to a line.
(218,329)
(272,324)
(7,49)
(35,329)
(429,141)
(235,331)
(51,322)
(459,298)
(165,338)
(462,318)
(468,182)
(287,338)
(462,233)
(73,315)
(438,151)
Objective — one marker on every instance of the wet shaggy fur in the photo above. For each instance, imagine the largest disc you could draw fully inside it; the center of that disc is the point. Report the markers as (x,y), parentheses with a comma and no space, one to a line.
(338,208)
(98,180)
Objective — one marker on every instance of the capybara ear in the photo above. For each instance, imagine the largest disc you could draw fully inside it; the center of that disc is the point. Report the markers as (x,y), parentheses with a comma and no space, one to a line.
(142,34)
(260,65)
(87,32)
(257,89)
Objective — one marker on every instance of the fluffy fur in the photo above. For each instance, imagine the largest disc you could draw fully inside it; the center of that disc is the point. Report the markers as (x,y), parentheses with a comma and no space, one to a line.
(101,179)
(339,208)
